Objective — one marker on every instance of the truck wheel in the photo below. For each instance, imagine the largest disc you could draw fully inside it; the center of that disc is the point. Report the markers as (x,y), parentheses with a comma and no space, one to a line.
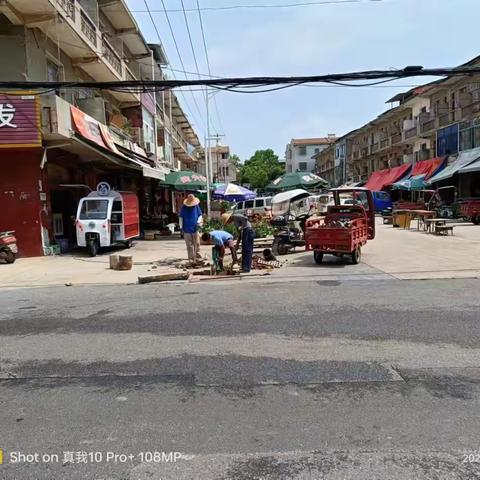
(476,220)
(356,256)
(128,244)
(318,257)
(93,248)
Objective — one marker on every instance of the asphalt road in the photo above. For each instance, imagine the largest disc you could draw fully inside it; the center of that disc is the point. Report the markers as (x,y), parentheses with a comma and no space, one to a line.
(312,379)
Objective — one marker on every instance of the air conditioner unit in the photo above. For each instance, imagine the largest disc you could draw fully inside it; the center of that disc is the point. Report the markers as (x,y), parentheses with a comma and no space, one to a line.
(148,147)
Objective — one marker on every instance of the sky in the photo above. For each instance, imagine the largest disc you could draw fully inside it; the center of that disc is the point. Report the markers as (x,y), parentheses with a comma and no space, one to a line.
(305,40)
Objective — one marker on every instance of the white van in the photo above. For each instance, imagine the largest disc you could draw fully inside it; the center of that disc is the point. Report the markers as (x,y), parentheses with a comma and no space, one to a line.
(261,206)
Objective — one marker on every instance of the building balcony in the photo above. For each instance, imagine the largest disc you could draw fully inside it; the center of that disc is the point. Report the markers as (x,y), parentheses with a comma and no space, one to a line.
(410,133)
(444,119)
(471,110)
(396,138)
(384,143)
(56,123)
(426,124)
(67,24)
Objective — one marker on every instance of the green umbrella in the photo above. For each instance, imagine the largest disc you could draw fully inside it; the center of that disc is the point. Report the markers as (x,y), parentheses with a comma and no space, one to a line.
(186,180)
(290,181)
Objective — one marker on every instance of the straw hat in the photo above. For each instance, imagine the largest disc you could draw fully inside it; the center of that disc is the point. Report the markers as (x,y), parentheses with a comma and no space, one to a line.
(191,200)
(226,217)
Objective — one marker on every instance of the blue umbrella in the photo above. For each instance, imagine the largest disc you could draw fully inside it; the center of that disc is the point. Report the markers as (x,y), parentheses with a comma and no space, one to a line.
(233,193)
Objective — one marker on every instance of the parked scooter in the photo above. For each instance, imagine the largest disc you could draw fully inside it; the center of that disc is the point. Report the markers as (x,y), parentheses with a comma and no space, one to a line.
(8,246)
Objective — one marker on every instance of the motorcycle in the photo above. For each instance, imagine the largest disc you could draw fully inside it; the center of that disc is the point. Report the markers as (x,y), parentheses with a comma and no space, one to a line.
(8,246)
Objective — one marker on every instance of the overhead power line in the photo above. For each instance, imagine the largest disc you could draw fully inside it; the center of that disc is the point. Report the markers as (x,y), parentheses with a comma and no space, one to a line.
(266,6)
(180,58)
(204,39)
(190,38)
(374,77)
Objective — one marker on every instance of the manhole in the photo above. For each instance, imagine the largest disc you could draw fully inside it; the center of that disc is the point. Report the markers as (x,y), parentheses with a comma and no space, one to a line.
(329,283)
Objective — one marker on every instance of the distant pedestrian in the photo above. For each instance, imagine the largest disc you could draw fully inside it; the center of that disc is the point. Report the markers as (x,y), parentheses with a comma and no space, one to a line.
(246,234)
(190,220)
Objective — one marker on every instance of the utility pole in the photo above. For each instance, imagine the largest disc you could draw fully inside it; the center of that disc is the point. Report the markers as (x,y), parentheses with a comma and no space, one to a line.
(207,148)
(208,156)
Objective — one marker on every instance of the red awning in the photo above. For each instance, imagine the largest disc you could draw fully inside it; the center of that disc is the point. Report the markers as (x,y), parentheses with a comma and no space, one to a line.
(427,167)
(384,178)
(376,180)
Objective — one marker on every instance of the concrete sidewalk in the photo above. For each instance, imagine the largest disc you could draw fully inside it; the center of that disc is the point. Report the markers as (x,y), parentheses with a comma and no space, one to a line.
(399,254)
(79,268)
(395,253)
(410,254)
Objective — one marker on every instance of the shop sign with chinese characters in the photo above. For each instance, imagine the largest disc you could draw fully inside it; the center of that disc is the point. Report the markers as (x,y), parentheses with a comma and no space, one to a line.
(19,121)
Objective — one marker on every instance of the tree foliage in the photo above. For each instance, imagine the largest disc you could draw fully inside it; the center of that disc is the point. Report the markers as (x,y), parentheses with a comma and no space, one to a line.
(261,169)
(235,160)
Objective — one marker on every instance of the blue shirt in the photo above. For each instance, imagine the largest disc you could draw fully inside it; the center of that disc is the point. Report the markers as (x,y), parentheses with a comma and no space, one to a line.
(220,237)
(190,216)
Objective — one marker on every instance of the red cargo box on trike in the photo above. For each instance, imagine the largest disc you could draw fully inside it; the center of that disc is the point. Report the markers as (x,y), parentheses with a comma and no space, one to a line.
(471,209)
(346,227)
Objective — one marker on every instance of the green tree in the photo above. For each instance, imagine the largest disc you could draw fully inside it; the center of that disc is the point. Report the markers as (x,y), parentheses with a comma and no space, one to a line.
(261,169)
(235,159)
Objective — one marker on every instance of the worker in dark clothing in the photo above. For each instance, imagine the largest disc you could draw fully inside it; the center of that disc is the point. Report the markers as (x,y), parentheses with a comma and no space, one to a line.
(246,234)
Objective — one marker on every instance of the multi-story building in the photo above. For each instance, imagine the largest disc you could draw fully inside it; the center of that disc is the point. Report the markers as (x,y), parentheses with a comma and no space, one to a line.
(439,119)
(325,164)
(331,163)
(51,140)
(299,153)
(223,169)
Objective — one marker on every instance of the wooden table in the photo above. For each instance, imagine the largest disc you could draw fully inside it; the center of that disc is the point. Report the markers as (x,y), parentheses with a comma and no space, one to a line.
(420,215)
(433,222)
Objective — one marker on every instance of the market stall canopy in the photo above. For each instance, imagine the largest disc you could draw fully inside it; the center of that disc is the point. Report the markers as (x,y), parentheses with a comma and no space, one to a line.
(416,182)
(428,167)
(233,193)
(420,173)
(385,178)
(289,181)
(186,180)
(464,159)
(472,167)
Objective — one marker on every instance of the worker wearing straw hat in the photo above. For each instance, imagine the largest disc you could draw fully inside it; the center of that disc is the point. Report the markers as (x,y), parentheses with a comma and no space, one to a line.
(190,219)
(246,234)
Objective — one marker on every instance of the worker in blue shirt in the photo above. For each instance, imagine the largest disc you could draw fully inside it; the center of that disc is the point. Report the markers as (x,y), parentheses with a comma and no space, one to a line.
(221,239)
(191,219)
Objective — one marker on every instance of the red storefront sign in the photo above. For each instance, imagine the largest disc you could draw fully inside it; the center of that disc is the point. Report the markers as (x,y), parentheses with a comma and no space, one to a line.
(93,130)
(87,126)
(19,121)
